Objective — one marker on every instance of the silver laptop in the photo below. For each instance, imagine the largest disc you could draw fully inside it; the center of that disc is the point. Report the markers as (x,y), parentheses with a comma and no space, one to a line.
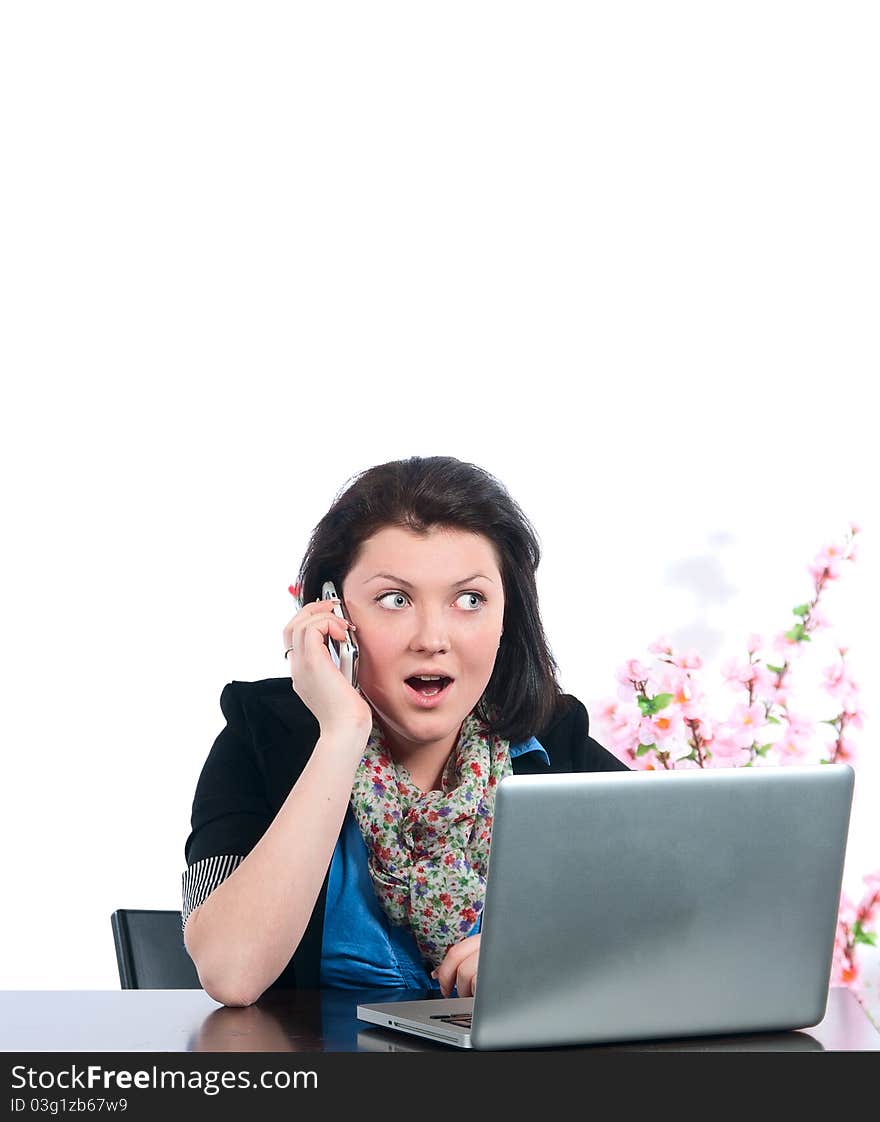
(649,905)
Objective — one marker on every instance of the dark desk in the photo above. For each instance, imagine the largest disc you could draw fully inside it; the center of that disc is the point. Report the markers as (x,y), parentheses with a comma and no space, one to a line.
(316,1021)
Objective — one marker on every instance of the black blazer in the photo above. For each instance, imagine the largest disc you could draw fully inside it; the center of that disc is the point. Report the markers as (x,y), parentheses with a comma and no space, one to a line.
(255,761)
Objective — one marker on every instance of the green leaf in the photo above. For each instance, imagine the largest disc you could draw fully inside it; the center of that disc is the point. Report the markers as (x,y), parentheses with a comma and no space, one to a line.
(796,633)
(860,935)
(763,749)
(801,610)
(775,669)
(643,748)
(692,755)
(773,721)
(650,705)
(834,722)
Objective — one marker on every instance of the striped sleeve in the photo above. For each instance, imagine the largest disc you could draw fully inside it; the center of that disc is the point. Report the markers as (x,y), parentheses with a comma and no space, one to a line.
(202,877)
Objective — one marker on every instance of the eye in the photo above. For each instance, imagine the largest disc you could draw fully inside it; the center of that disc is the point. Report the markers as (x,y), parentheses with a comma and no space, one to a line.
(478,596)
(481,599)
(385,595)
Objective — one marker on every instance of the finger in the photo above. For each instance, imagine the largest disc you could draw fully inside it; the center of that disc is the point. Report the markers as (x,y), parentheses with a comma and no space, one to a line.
(308,611)
(455,955)
(299,648)
(464,978)
(441,973)
(465,963)
(290,627)
(446,972)
(316,610)
(328,625)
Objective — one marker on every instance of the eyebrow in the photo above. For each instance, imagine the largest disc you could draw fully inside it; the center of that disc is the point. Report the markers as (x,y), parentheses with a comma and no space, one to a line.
(406,583)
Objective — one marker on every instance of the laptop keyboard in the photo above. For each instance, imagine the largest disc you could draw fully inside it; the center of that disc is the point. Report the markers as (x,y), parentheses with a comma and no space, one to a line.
(463,1020)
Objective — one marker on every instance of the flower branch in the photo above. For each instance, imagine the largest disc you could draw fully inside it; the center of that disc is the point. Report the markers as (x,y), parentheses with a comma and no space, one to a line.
(660,718)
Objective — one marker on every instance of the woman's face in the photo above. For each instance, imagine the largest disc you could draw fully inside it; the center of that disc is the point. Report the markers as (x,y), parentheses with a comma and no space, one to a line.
(425,604)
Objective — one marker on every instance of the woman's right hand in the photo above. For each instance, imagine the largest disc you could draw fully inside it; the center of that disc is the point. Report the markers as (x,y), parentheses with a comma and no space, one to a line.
(315,677)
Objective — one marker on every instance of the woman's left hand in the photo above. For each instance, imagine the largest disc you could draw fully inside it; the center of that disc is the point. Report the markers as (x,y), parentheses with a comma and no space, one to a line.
(459,968)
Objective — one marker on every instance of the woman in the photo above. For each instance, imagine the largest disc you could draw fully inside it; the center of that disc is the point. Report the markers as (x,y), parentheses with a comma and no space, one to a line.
(340,836)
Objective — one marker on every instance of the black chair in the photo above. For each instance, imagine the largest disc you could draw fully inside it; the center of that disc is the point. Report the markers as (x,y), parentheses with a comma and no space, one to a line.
(150,953)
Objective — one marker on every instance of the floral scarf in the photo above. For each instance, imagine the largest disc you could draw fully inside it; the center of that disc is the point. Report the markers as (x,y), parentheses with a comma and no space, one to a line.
(428,851)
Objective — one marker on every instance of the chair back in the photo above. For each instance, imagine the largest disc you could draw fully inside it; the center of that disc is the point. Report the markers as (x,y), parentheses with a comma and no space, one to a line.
(150,952)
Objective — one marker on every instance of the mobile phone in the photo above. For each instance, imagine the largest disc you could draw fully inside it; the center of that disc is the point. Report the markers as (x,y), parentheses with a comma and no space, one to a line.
(345,653)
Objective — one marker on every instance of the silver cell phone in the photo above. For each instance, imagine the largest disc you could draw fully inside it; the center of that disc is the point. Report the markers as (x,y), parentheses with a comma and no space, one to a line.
(345,653)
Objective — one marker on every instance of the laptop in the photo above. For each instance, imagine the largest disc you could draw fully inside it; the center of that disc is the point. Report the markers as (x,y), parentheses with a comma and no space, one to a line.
(649,905)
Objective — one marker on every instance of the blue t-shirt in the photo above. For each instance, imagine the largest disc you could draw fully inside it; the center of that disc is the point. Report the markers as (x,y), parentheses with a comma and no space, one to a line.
(360,947)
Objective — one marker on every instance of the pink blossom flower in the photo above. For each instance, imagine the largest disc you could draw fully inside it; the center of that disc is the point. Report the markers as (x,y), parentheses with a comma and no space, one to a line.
(846,749)
(764,682)
(690,660)
(623,728)
(790,754)
(632,671)
(872,880)
(672,679)
(784,644)
(746,722)
(658,728)
(606,710)
(841,940)
(790,748)
(726,745)
(628,716)
(619,744)
(824,567)
(735,758)
(837,682)
(780,695)
(754,642)
(737,673)
(661,645)
(686,694)
(819,621)
(855,527)
(804,727)
(796,740)
(845,971)
(831,551)
(848,911)
(856,718)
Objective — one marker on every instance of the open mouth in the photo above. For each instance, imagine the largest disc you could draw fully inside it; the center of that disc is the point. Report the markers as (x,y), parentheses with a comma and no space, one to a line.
(430,690)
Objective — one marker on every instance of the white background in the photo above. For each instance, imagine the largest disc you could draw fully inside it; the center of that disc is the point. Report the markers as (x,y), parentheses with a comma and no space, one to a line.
(622,255)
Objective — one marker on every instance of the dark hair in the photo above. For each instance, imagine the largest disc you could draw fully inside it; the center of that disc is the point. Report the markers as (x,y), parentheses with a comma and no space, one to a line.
(523,696)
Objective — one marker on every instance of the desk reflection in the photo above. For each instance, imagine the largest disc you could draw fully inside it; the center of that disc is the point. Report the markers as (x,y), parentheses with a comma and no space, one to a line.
(295,1021)
(321,1021)
(324,1020)
(384,1040)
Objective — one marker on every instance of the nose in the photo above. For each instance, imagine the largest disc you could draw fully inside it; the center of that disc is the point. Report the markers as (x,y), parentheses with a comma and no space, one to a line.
(430,632)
